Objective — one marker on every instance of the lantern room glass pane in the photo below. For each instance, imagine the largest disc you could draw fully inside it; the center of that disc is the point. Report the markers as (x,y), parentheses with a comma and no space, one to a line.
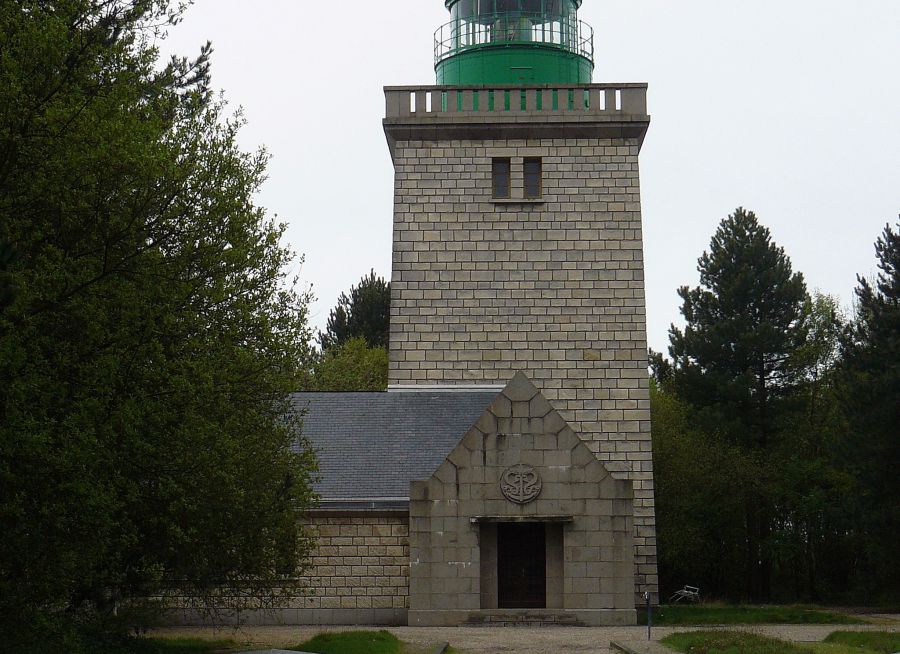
(484,11)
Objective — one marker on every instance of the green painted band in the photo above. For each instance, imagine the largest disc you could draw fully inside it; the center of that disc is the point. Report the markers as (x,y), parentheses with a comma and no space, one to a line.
(513,65)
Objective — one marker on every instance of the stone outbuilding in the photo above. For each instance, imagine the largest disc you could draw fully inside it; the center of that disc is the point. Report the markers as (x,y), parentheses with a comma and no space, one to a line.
(443,508)
(521,517)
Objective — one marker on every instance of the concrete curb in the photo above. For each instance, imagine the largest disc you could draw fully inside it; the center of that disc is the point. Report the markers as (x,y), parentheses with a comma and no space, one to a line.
(441,648)
(621,648)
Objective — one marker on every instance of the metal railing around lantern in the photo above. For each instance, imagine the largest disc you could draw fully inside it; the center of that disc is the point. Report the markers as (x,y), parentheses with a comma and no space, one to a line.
(563,32)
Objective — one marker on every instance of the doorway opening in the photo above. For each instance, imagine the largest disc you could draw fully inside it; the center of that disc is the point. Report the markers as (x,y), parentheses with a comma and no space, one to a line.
(521,566)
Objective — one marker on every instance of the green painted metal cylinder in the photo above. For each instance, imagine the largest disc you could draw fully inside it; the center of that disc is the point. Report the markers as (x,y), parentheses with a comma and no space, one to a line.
(513,42)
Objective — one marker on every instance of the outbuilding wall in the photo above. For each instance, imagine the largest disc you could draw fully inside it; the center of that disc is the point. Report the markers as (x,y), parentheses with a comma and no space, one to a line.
(359,572)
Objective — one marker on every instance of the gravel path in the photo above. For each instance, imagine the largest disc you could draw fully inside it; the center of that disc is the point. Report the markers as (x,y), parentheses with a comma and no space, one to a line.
(523,640)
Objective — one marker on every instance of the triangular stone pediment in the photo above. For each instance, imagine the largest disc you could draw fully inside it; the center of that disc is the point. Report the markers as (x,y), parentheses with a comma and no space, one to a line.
(519,451)
(521,463)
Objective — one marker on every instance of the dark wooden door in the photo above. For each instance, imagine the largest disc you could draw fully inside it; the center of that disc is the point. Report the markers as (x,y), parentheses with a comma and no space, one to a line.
(521,566)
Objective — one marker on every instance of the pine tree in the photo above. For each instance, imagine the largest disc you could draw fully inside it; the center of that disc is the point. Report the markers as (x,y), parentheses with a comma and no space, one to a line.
(744,322)
(733,361)
(871,393)
(365,313)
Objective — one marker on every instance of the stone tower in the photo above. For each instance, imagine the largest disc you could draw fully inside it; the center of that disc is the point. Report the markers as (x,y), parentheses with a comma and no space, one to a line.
(517,231)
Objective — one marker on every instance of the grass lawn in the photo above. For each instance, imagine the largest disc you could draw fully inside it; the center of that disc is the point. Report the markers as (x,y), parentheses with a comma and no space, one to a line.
(700,614)
(877,641)
(362,642)
(354,642)
(728,642)
(732,642)
(345,642)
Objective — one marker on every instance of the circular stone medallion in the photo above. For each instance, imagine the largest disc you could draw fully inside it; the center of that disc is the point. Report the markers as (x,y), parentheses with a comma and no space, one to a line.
(520,483)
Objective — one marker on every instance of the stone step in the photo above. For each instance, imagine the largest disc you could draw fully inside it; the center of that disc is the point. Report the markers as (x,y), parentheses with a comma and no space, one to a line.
(523,619)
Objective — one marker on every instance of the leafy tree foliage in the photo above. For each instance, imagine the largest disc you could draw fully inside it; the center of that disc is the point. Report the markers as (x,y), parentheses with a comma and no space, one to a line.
(703,483)
(871,397)
(813,492)
(150,342)
(7,290)
(353,366)
(365,313)
(794,500)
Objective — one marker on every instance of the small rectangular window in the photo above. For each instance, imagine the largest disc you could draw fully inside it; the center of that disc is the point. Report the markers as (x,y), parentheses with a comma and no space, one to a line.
(500,176)
(533,177)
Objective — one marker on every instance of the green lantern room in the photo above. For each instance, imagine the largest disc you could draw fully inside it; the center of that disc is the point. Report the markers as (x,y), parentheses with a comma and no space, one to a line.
(513,42)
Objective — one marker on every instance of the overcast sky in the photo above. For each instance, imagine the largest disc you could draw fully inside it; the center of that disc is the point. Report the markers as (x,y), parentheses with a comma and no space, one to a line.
(790,108)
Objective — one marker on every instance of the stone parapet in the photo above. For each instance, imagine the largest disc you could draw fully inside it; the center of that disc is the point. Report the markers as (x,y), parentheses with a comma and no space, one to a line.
(451,113)
(613,101)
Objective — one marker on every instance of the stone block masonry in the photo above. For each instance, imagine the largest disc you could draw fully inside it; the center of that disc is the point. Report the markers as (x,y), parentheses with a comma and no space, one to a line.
(358,574)
(584,513)
(359,568)
(552,287)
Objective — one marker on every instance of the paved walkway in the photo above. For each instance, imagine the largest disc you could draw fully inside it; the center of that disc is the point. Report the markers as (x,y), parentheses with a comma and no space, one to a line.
(522,640)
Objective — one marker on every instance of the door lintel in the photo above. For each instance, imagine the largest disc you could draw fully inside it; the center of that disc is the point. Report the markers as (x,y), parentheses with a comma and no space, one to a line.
(480,519)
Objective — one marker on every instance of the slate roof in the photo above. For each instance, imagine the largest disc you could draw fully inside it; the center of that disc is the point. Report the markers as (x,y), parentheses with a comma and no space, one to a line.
(371,445)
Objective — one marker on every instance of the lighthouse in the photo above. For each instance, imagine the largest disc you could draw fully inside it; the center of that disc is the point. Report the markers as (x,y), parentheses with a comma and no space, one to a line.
(517,251)
(506,476)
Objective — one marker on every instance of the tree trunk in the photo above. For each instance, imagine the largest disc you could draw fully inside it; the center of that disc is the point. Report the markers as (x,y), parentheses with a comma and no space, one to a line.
(764,514)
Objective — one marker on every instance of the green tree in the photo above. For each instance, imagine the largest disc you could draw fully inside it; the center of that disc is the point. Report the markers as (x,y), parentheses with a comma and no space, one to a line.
(743,324)
(705,480)
(703,483)
(7,290)
(148,350)
(871,396)
(365,313)
(812,491)
(733,362)
(352,366)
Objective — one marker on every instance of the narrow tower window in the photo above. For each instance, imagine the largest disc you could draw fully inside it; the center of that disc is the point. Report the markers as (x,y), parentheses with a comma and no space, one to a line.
(533,187)
(500,175)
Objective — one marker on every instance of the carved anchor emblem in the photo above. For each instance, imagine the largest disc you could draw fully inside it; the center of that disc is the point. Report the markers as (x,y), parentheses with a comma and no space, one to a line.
(520,483)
